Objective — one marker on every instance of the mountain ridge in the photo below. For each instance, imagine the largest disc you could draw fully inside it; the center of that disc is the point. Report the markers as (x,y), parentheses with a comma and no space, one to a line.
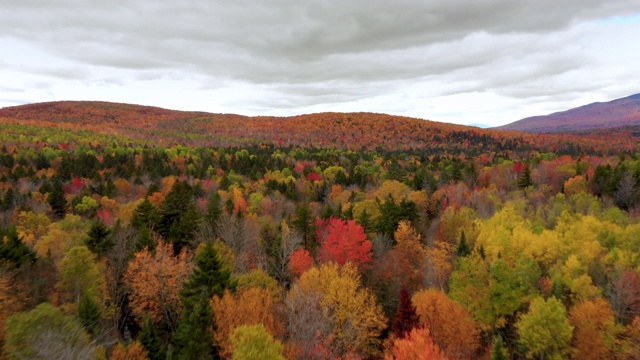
(598,115)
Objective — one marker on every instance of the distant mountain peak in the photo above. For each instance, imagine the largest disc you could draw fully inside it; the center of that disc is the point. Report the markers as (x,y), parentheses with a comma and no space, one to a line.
(599,115)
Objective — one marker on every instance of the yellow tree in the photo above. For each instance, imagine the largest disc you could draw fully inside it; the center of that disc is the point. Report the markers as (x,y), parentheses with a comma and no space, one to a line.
(357,320)
(155,280)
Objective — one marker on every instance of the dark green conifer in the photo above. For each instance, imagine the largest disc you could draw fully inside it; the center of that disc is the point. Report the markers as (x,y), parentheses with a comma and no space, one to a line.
(89,314)
(99,238)
(56,200)
(13,251)
(151,342)
(463,248)
(145,215)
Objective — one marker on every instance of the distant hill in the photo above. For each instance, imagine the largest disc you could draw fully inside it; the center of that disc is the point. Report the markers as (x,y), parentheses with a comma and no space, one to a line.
(354,131)
(599,115)
(344,130)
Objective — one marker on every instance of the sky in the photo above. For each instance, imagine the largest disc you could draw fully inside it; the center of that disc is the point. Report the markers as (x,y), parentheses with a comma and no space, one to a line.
(488,62)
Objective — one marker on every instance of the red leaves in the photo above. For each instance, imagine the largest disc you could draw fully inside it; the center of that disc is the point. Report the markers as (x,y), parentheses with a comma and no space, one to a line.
(300,261)
(343,241)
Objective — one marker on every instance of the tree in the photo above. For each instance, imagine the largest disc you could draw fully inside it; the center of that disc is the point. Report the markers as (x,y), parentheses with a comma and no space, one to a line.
(57,201)
(47,333)
(450,325)
(80,275)
(406,317)
(463,248)
(357,320)
(13,251)
(498,350)
(344,241)
(254,342)
(209,278)
(418,345)
(156,280)
(251,307)
(89,314)
(150,340)
(304,223)
(524,181)
(300,261)
(595,330)
(99,240)
(214,209)
(145,215)
(133,351)
(544,331)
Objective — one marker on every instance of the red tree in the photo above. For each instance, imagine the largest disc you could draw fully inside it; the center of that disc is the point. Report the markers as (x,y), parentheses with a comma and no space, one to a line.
(300,261)
(343,241)
(406,317)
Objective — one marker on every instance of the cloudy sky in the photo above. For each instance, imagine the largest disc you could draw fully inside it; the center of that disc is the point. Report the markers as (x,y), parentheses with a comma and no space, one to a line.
(462,61)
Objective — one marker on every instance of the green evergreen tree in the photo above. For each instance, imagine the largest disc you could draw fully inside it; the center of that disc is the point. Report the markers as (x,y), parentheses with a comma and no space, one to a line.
(524,181)
(365,220)
(173,207)
(145,240)
(499,351)
(214,209)
(13,251)
(151,341)
(463,248)
(89,314)
(183,231)
(145,215)
(304,222)
(210,277)
(57,201)
(99,240)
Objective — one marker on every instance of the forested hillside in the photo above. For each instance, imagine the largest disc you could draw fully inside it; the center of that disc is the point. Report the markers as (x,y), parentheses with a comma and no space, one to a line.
(140,233)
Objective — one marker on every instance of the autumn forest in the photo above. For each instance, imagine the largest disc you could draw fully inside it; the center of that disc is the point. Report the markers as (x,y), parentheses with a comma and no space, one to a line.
(130,232)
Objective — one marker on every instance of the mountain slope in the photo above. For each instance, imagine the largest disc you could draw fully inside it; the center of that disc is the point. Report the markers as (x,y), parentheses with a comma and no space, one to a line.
(344,130)
(353,131)
(600,115)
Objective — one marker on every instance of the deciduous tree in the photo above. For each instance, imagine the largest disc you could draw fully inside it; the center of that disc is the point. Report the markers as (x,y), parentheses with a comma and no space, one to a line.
(544,331)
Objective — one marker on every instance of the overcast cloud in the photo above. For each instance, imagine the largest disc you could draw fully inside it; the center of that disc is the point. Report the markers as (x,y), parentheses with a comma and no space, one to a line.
(474,61)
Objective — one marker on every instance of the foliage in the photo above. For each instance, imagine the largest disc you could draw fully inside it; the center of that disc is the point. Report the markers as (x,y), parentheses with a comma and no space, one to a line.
(342,241)
(47,333)
(417,345)
(545,331)
(254,342)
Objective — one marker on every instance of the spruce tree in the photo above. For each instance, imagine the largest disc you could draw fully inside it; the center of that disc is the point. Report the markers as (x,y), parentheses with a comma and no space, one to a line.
(304,223)
(145,240)
(214,209)
(89,314)
(99,240)
(499,351)
(406,317)
(13,251)
(192,339)
(56,200)
(524,181)
(145,215)
(151,342)
(463,248)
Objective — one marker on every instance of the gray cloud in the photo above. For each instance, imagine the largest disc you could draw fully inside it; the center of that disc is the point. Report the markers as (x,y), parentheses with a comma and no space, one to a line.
(316,51)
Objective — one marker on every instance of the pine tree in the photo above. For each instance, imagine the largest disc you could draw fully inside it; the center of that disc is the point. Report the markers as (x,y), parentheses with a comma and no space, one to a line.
(209,278)
(174,206)
(463,248)
(13,250)
(214,209)
(406,317)
(57,201)
(89,314)
(99,240)
(304,223)
(524,181)
(182,232)
(499,351)
(145,215)
(151,342)
(145,240)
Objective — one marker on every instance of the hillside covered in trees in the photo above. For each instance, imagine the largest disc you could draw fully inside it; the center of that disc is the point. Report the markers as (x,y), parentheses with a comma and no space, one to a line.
(132,232)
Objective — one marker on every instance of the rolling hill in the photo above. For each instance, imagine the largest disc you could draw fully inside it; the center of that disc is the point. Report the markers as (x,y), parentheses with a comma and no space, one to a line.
(353,131)
(600,115)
